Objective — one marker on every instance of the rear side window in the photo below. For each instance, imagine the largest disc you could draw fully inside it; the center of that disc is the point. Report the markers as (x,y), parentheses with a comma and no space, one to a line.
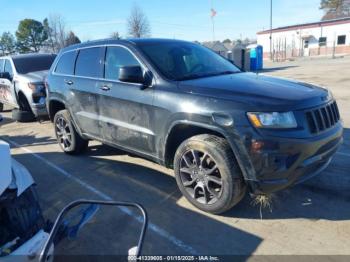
(89,62)
(117,57)
(66,64)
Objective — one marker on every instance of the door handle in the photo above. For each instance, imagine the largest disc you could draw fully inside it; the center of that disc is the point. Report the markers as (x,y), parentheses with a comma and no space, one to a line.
(105,88)
(69,82)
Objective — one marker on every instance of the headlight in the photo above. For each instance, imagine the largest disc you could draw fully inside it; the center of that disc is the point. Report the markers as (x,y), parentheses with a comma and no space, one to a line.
(36,87)
(272,119)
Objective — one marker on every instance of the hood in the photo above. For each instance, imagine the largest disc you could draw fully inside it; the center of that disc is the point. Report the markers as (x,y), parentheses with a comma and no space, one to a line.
(12,174)
(257,90)
(37,76)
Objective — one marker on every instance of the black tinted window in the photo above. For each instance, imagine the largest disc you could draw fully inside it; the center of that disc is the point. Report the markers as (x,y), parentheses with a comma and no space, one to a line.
(341,40)
(27,64)
(115,58)
(322,41)
(66,64)
(89,62)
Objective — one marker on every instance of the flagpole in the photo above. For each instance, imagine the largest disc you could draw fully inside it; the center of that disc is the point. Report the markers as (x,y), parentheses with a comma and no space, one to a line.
(212,21)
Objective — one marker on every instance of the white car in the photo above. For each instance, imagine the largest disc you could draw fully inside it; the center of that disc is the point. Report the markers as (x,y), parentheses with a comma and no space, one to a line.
(22,84)
(22,227)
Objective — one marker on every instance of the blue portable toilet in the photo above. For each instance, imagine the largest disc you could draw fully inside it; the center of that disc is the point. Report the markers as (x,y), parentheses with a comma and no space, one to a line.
(256,57)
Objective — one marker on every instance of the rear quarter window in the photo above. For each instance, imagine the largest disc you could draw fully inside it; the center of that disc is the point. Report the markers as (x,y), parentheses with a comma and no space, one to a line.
(90,62)
(66,64)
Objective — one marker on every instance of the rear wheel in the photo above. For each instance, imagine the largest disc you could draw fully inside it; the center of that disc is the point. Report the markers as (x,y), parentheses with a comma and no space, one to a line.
(1,107)
(67,136)
(207,173)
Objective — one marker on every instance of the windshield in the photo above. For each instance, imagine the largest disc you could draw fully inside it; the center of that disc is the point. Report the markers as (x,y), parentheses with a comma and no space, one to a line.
(182,61)
(25,65)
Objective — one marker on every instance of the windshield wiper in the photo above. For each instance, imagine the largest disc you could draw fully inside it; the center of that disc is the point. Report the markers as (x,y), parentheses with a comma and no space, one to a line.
(191,76)
(194,76)
(226,73)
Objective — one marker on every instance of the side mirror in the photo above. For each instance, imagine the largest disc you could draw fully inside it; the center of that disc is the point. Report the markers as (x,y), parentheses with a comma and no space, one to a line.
(131,74)
(68,226)
(6,75)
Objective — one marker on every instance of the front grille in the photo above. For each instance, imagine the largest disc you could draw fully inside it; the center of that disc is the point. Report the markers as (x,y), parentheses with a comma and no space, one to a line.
(322,118)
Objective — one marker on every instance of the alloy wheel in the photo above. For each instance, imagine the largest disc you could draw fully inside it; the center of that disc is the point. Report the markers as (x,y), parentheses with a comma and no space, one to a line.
(200,176)
(63,132)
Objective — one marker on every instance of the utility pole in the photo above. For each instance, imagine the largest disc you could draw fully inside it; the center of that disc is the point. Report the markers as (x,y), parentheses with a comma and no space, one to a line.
(271,30)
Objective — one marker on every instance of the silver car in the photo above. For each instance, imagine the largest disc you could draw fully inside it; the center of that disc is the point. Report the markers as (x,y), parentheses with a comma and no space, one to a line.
(22,84)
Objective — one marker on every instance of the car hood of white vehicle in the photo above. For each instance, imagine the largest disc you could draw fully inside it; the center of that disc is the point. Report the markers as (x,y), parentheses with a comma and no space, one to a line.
(12,174)
(37,76)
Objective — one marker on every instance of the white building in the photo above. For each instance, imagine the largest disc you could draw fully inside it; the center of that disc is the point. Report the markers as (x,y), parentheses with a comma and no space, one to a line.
(319,38)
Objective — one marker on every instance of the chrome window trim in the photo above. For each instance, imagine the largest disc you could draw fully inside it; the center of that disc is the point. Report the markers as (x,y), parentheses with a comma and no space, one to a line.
(144,67)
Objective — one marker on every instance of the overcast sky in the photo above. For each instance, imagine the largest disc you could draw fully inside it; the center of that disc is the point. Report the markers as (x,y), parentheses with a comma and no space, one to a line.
(182,19)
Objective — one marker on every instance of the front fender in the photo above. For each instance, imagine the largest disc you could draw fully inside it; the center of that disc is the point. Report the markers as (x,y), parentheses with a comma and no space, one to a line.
(233,139)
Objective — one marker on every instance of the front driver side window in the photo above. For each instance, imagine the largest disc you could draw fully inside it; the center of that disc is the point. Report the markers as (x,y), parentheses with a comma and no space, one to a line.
(117,57)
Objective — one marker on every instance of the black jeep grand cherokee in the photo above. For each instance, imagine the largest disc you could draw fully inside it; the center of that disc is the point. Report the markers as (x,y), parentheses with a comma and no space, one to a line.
(183,106)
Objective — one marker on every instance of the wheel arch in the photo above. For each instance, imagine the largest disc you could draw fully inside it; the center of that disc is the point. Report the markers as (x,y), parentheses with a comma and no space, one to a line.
(173,141)
(182,130)
(54,106)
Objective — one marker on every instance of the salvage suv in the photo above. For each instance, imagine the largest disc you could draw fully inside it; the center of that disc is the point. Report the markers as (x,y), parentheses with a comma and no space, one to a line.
(22,84)
(177,103)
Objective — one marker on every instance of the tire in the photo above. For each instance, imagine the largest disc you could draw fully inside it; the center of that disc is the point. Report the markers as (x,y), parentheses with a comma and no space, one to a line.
(22,116)
(1,107)
(221,179)
(67,137)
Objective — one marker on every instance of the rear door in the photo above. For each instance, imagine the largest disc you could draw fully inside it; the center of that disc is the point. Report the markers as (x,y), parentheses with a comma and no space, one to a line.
(84,89)
(126,111)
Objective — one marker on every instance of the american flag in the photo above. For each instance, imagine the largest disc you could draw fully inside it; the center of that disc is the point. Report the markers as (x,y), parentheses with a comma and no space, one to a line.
(213,12)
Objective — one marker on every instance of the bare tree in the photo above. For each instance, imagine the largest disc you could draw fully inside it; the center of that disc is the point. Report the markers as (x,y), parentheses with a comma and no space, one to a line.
(115,35)
(56,30)
(138,24)
(335,9)
(72,39)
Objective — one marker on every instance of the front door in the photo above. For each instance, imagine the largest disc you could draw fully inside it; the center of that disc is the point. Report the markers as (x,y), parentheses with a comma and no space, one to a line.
(126,112)
(83,88)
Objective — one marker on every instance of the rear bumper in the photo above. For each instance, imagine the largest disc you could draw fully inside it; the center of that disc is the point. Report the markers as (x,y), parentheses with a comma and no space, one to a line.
(286,162)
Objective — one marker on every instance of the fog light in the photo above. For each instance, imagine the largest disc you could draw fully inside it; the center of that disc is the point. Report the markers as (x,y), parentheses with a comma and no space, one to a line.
(257,145)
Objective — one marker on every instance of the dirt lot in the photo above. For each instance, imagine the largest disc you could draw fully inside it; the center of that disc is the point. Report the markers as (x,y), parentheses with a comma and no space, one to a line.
(308,219)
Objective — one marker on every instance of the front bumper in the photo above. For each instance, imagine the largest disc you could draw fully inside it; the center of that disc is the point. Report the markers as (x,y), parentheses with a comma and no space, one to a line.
(282,162)
(39,109)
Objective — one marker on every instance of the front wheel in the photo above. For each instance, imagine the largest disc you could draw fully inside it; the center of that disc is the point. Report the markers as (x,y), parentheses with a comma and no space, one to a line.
(207,173)
(67,136)
(1,107)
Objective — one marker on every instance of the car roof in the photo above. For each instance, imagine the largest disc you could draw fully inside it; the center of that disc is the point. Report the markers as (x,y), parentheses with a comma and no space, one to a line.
(128,41)
(31,55)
